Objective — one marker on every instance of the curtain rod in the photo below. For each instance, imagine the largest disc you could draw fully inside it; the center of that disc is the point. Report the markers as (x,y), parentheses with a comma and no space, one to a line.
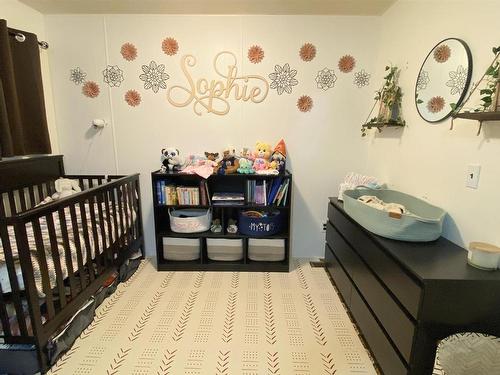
(21,38)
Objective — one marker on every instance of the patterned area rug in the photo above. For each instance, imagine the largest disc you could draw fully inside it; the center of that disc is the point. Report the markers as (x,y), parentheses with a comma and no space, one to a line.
(220,323)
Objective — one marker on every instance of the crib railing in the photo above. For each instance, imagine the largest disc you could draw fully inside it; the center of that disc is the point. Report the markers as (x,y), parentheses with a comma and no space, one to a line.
(105,217)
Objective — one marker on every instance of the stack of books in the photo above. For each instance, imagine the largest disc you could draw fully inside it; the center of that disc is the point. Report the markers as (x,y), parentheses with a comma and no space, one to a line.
(228,199)
(172,195)
(278,192)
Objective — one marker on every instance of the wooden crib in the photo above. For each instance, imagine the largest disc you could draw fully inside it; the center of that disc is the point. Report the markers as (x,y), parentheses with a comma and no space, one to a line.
(55,256)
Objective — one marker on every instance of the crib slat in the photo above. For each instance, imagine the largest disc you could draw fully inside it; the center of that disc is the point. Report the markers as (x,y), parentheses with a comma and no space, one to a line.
(78,246)
(12,203)
(39,189)
(131,207)
(85,232)
(126,233)
(22,199)
(4,317)
(56,258)
(117,242)
(42,262)
(109,249)
(31,192)
(93,225)
(14,285)
(91,182)
(123,238)
(102,227)
(67,252)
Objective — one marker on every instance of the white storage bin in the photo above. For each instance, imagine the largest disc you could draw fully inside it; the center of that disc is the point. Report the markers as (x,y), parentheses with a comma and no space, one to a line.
(181,249)
(266,250)
(190,220)
(225,249)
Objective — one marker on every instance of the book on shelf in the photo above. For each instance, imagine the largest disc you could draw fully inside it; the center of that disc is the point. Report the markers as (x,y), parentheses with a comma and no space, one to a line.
(222,196)
(268,193)
(171,195)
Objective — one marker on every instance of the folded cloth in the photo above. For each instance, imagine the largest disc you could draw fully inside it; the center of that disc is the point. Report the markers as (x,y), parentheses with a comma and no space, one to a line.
(379,204)
(204,169)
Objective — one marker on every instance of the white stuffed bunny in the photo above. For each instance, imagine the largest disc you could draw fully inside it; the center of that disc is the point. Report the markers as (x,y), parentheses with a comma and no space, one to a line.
(64,188)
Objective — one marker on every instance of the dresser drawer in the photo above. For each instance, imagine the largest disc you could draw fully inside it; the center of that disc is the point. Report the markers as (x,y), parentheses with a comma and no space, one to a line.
(338,275)
(399,327)
(386,356)
(406,290)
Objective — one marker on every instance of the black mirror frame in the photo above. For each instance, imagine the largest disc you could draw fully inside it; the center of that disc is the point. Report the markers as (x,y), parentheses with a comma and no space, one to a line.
(467,83)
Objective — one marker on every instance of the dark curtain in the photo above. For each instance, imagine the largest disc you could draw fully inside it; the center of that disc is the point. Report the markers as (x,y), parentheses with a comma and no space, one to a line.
(23,122)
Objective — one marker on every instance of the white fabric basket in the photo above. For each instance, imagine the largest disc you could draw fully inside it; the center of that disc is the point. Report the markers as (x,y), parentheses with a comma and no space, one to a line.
(190,220)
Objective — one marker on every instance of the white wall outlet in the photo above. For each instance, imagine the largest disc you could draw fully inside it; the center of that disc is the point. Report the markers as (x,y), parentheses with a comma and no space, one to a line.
(472,179)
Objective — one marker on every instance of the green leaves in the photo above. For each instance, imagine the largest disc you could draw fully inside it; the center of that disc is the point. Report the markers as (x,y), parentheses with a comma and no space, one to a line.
(419,101)
(496,50)
(486,92)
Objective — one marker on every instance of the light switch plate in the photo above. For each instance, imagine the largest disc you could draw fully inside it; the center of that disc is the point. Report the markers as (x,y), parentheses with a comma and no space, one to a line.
(472,179)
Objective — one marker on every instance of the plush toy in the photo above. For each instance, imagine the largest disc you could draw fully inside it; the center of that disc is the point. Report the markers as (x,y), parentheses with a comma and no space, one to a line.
(212,155)
(246,153)
(229,163)
(278,158)
(64,188)
(245,166)
(170,160)
(262,154)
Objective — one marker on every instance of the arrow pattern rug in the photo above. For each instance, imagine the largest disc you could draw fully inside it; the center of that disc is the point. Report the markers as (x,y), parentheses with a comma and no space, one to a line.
(220,323)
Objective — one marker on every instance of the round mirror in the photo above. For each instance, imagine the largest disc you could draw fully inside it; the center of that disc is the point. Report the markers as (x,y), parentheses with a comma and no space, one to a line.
(443,80)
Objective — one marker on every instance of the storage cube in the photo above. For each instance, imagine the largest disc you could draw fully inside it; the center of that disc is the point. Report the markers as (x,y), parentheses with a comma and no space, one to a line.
(181,249)
(265,250)
(225,249)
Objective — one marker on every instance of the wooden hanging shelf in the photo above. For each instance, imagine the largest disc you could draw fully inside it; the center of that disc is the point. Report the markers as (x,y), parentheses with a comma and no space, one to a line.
(380,125)
(478,116)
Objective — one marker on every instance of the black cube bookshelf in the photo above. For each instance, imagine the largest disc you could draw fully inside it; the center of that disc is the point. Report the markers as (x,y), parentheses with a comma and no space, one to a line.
(236,183)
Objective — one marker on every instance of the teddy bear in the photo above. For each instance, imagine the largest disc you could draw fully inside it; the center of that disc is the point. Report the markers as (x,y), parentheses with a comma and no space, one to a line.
(262,154)
(212,155)
(245,166)
(229,163)
(170,160)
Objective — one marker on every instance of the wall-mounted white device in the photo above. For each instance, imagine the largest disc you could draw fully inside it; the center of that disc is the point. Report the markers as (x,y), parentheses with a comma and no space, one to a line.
(98,123)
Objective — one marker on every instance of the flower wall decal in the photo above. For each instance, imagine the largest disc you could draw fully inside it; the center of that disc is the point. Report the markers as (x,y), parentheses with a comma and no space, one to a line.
(346,63)
(423,80)
(128,51)
(91,89)
(326,79)
(442,53)
(170,46)
(255,54)
(283,79)
(154,76)
(361,78)
(305,103)
(77,76)
(435,104)
(133,98)
(307,52)
(458,79)
(113,75)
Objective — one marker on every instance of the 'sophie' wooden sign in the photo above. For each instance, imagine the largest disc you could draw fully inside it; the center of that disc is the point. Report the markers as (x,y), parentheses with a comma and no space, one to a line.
(213,97)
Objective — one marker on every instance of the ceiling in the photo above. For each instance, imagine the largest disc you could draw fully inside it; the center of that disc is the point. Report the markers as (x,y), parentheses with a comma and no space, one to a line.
(317,7)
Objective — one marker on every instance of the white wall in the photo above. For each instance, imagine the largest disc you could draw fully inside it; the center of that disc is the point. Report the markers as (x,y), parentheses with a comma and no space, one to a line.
(20,16)
(429,160)
(323,145)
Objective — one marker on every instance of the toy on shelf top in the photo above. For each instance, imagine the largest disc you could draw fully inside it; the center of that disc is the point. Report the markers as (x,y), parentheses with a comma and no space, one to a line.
(229,163)
(170,160)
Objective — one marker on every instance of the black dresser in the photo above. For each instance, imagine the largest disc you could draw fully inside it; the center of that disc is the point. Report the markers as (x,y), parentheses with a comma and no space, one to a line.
(405,296)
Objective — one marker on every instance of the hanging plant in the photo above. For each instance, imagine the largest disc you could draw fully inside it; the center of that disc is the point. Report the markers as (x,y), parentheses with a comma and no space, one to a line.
(489,94)
(389,99)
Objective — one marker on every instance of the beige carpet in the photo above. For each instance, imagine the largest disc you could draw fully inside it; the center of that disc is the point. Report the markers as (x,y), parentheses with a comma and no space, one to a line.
(220,323)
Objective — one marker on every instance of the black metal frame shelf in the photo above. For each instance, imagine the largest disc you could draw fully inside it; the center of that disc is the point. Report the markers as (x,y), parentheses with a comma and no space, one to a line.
(230,183)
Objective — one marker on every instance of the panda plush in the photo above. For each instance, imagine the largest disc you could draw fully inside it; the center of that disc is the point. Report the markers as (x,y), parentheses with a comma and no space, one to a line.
(170,159)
